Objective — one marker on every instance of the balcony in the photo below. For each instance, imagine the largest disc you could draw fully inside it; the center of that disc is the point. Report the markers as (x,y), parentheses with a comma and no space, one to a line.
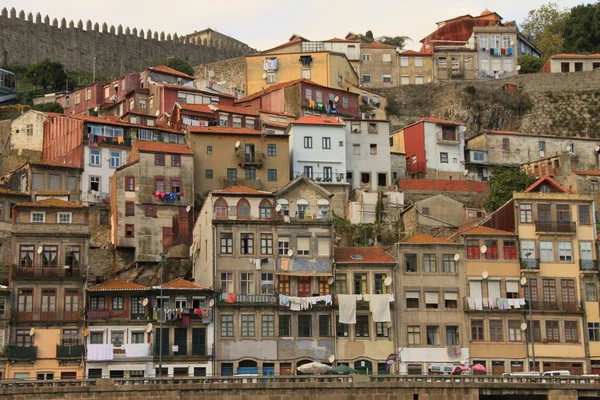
(531,264)
(554,227)
(251,160)
(21,352)
(74,351)
(588,266)
(447,137)
(35,272)
(558,305)
(481,304)
(320,177)
(252,299)
(107,140)
(98,314)
(41,315)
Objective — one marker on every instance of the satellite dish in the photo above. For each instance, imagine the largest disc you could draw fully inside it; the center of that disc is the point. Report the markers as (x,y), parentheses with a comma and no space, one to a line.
(290,253)
(39,250)
(32,332)
(484,274)
(148,328)
(336,99)
(523,281)
(512,42)
(157,113)
(278,207)
(456,257)
(107,158)
(387,281)
(518,67)
(188,208)
(331,358)
(211,303)
(330,280)
(145,302)
(483,249)
(264,76)
(237,144)
(523,326)
(597,148)
(389,324)
(86,332)
(465,172)
(463,361)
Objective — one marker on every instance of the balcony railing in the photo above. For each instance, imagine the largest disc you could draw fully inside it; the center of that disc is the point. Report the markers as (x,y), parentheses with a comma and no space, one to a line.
(558,305)
(530,263)
(45,314)
(320,177)
(47,272)
(252,299)
(97,314)
(501,304)
(555,227)
(107,140)
(588,265)
(250,160)
(448,138)
(21,352)
(74,351)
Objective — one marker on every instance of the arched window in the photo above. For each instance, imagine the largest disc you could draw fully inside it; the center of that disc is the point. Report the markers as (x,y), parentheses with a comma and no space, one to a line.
(265,209)
(248,367)
(221,209)
(284,207)
(243,209)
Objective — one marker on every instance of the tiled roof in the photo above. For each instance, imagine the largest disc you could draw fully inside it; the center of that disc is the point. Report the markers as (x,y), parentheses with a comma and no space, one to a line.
(588,172)
(276,87)
(421,238)
(52,202)
(118,122)
(11,192)
(163,69)
(362,255)
(315,120)
(238,189)
(548,179)
(293,41)
(224,129)
(180,283)
(484,230)
(192,89)
(413,53)
(565,55)
(161,147)
(262,110)
(275,125)
(338,40)
(117,284)
(47,163)
(376,45)
(441,121)
(211,108)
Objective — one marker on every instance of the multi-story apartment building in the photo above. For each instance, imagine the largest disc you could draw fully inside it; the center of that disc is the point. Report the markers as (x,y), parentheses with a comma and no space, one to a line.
(126,339)
(430,282)
(152,201)
(49,256)
(415,68)
(366,345)
(378,65)
(185,114)
(253,245)
(4,325)
(228,156)
(27,131)
(496,48)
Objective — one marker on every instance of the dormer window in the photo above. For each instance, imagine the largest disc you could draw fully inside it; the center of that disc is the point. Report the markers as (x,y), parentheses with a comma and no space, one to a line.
(38,216)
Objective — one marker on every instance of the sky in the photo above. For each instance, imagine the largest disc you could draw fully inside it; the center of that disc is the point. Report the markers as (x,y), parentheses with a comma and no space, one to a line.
(263,24)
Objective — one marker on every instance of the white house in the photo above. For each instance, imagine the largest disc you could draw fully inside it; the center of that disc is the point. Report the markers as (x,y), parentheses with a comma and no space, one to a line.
(317,149)
(27,131)
(368,153)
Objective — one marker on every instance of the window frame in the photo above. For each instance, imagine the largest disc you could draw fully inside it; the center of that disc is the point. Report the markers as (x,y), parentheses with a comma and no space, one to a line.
(159,159)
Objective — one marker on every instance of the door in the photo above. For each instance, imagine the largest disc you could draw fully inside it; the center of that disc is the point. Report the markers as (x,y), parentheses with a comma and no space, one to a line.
(48,311)
(269,369)
(382,179)
(71,305)
(250,153)
(585,255)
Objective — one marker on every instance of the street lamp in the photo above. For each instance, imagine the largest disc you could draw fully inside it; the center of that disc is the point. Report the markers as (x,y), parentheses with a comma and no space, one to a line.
(530,313)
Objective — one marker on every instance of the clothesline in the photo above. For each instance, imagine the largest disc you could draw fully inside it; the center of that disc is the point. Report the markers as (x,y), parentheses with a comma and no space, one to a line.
(303,303)
(479,303)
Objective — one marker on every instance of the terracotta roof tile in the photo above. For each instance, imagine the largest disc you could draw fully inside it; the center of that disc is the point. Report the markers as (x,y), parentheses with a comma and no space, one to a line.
(225,130)
(377,45)
(289,43)
(276,87)
(180,283)
(421,238)
(241,190)
(484,230)
(338,40)
(565,55)
(161,147)
(192,89)
(548,179)
(211,108)
(358,255)
(118,122)
(441,121)
(315,120)
(117,284)
(52,202)
(586,172)
(163,69)
(275,125)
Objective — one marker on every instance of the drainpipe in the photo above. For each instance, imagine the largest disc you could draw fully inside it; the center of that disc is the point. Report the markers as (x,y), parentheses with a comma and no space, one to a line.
(396,282)
(214,321)
(335,352)
(85,286)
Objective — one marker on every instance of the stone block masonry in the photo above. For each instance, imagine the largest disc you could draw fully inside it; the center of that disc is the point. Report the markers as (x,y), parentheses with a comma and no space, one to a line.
(25,41)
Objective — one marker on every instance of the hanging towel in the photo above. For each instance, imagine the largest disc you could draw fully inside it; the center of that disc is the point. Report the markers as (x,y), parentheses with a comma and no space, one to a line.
(511,303)
(347,306)
(283,300)
(328,300)
(120,140)
(506,305)
(231,298)
(521,302)
(492,303)
(516,303)
(284,263)
(471,303)
(136,350)
(479,303)
(295,303)
(358,297)
(257,262)
(379,305)
(99,352)
(485,303)
(366,297)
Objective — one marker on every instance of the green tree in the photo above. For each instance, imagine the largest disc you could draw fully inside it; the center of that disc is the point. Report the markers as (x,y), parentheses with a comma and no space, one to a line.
(369,35)
(530,64)
(47,74)
(504,181)
(398,41)
(49,107)
(581,33)
(180,65)
(544,27)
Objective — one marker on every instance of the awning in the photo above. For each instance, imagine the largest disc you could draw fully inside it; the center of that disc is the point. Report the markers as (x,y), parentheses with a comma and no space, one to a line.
(450,296)
(303,273)
(512,286)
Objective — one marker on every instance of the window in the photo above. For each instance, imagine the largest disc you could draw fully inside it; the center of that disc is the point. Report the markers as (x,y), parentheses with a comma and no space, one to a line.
(283,245)
(366,57)
(65,217)
(380,287)
(268,325)
(472,249)
(404,61)
(433,335)
(227,282)
(227,325)
(477,330)
(341,330)
(594,331)
(432,299)
(381,330)
(209,174)
(448,264)
(373,149)
(451,299)
(246,243)
(271,77)
(512,289)
(344,102)
(324,287)
(226,243)
(247,283)
(531,283)
(549,290)
(285,325)
(410,262)
(414,334)
(496,330)
(150,210)
(130,184)
(568,290)
(96,337)
(362,326)
(176,185)
(243,209)
(525,213)
(451,335)
(341,284)
(324,325)
(272,175)
(305,73)
(318,96)
(505,144)
(308,171)
(425,210)
(506,42)
(266,243)
(95,157)
(492,249)
(304,289)
(305,325)
(118,303)
(159,185)
(208,149)
(571,332)
(404,80)
(387,78)
(483,42)
(356,149)
(231,173)
(247,325)
(38,216)
(267,285)
(307,142)
(429,263)
(271,150)
(514,331)
(546,252)
(419,80)
(552,333)
(175,160)
(326,143)
(308,94)
(591,293)
(303,246)
(236,122)
(159,159)
(250,173)
(50,254)
(565,252)
(115,159)
(360,283)
(412,299)
(584,215)
(563,214)
(510,250)
(366,78)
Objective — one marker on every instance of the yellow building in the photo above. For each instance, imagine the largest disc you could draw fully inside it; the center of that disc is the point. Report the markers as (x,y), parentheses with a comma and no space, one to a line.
(323,67)
(414,68)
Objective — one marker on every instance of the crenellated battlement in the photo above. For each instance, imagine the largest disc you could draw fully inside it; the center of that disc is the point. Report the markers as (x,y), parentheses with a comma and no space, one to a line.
(25,39)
